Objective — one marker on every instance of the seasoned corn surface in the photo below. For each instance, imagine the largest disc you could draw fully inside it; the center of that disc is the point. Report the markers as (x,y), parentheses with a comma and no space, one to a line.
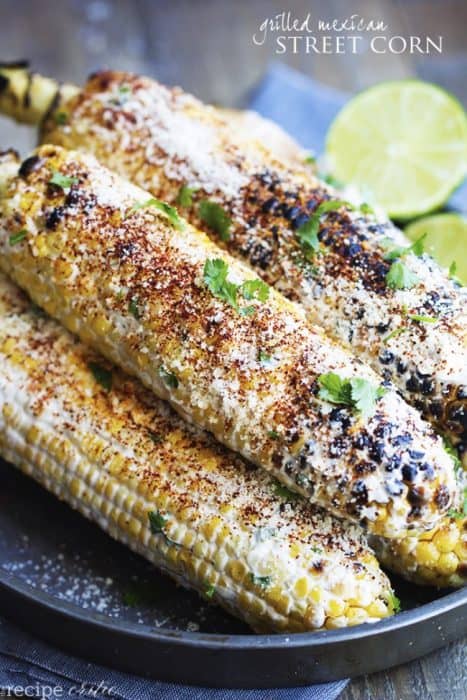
(131,282)
(99,441)
(164,140)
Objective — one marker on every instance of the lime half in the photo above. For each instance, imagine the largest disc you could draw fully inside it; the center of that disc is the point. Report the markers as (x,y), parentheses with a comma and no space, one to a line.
(446,240)
(405,142)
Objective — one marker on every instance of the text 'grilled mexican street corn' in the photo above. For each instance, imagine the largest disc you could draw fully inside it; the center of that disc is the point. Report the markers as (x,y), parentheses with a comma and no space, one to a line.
(159,299)
(109,448)
(392,305)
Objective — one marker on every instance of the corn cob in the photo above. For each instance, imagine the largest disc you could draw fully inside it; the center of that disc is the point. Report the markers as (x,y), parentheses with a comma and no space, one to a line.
(444,566)
(437,557)
(159,299)
(165,140)
(110,449)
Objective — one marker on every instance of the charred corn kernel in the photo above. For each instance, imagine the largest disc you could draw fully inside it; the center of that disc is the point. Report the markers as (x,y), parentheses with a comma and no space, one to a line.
(214,378)
(234,167)
(67,441)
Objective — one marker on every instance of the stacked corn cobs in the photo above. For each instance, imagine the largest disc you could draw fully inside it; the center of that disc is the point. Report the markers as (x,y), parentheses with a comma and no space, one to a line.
(82,243)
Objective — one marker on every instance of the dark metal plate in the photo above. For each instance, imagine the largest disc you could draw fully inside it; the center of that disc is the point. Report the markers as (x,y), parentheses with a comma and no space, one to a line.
(64,579)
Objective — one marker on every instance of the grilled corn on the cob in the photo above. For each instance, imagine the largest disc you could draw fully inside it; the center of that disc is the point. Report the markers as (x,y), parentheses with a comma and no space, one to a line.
(121,457)
(403,315)
(160,300)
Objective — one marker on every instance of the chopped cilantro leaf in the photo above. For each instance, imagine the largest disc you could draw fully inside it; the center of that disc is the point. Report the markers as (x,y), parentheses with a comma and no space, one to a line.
(157,522)
(310,160)
(365,208)
(215,276)
(357,393)
(453,270)
(330,180)
(209,590)
(170,212)
(273,434)
(365,395)
(185,196)
(60,118)
(395,602)
(282,491)
(396,332)
(216,218)
(307,233)
(261,581)
(157,438)
(264,358)
(255,289)
(134,308)
(335,389)
(422,319)
(101,375)
(316,550)
(394,252)
(62,181)
(168,378)
(17,237)
(400,277)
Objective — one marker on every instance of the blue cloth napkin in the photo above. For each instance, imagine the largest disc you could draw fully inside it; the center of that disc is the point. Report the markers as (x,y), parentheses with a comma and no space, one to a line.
(305,109)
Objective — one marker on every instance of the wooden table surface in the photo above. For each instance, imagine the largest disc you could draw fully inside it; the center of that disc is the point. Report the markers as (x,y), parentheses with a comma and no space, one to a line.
(206,46)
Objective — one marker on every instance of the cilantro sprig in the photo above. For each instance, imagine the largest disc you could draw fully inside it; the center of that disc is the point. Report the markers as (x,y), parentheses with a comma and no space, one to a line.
(214,216)
(393,251)
(358,393)
(215,277)
(399,275)
(170,212)
(307,233)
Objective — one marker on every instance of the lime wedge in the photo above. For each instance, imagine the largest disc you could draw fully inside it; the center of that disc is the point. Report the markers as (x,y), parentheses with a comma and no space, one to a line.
(446,240)
(405,142)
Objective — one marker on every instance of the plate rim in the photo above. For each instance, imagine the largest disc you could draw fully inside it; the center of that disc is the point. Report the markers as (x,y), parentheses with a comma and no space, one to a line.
(238,642)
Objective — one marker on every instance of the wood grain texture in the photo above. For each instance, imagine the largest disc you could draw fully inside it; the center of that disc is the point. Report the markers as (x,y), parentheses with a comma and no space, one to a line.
(206,46)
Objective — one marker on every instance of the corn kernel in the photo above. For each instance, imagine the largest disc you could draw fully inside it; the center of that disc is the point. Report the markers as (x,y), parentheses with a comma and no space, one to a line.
(447,563)
(316,595)
(427,554)
(377,609)
(446,539)
(335,607)
(301,587)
